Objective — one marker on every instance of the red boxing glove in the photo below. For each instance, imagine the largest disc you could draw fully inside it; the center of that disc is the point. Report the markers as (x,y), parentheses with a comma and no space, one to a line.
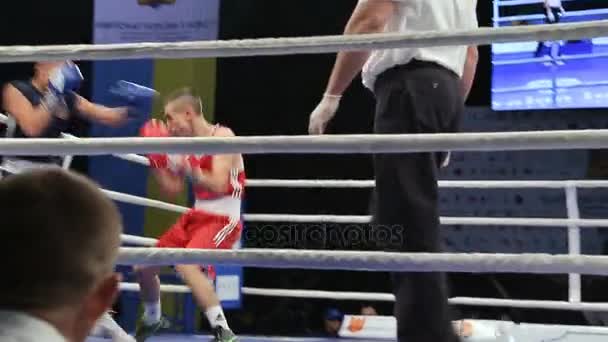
(158,161)
(193,161)
(155,129)
(190,163)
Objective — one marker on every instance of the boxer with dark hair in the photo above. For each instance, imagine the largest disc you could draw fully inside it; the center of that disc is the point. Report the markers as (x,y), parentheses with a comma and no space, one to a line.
(42,107)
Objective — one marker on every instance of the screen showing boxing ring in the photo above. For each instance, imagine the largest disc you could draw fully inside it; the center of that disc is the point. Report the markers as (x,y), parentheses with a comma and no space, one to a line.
(554,74)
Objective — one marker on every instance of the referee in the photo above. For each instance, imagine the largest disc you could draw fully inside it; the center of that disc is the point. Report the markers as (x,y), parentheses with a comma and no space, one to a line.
(417,90)
(554,11)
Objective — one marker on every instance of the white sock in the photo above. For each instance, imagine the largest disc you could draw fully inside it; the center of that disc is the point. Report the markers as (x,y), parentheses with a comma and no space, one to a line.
(216,317)
(106,326)
(152,313)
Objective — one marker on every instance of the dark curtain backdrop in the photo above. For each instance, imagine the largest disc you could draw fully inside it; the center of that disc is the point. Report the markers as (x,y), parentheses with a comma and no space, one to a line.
(264,96)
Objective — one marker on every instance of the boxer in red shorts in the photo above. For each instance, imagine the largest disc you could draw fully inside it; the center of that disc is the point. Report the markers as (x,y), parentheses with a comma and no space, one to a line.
(215,220)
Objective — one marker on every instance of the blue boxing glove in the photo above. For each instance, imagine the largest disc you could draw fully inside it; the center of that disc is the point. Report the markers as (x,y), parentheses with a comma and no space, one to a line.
(137,98)
(64,79)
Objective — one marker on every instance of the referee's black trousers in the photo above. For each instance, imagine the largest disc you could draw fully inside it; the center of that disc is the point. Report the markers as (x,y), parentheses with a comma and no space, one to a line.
(418,97)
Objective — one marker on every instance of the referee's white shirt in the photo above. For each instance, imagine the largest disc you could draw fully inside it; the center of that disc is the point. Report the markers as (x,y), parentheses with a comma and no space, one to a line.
(424,15)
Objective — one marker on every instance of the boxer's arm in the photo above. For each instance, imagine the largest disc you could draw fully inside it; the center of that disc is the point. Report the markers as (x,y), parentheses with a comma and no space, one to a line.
(170,183)
(370,16)
(218,178)
(31,119)
(102,114)
(470,66)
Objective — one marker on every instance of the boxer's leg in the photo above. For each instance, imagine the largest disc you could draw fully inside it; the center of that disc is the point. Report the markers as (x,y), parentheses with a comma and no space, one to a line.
(206,228)
(106,326)
(406,191)
(204,293)
(149,282)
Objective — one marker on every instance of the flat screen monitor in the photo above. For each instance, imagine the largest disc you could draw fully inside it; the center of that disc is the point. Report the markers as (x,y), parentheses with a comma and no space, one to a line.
(551,74)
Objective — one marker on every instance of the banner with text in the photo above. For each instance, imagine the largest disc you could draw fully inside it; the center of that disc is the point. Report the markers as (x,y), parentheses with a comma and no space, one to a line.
(128,21)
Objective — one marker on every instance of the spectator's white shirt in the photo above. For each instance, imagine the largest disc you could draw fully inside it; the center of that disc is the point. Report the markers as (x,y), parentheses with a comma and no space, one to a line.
(414,16)
(20,327)
(554,3)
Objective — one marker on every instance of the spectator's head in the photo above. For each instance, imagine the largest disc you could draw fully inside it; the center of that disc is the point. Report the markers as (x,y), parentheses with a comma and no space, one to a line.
(332,321)
(368,310)
(62,236)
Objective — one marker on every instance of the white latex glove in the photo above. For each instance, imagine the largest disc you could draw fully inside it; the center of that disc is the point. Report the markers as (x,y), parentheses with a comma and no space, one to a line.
(325,111)
(446,160)
(550,16)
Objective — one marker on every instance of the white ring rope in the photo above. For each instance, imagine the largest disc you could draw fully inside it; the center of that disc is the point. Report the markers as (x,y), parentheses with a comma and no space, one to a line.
(370,261)
(333,183)
(504,3)
(134,287)
(361,219)
(475,184)
(388,297)
(128,157)
(352,183)
(302,45)
(143,201)
(540,222)
(529,304)
(138,240)
(542,16)
(418,262)
(477,221)
(310,183)
(317,294)
(326,144)
(132,157)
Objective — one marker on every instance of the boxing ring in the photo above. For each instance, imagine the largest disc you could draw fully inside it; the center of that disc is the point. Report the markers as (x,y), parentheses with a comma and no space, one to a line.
(574,263)
(573,223)
(524,80)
